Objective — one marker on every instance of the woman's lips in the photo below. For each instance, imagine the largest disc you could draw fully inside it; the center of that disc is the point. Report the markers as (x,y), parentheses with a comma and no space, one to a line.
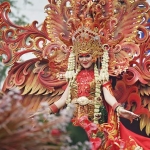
(85,63)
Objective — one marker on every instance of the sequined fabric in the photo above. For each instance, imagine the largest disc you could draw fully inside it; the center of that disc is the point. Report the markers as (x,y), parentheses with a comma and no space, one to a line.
(84,85)
(84,79)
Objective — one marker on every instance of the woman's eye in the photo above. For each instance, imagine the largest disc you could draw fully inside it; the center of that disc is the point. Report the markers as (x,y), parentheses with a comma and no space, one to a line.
(80,56)
(84,56)
(87,56)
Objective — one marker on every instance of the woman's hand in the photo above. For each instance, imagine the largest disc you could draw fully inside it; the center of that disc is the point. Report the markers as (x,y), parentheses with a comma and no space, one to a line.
(46,111)
(126,114)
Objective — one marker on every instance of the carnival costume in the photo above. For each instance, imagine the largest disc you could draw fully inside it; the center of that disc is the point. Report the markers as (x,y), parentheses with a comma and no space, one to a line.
(109,31)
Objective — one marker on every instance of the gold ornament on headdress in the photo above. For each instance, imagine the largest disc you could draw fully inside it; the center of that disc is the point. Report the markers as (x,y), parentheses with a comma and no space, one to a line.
(86,41)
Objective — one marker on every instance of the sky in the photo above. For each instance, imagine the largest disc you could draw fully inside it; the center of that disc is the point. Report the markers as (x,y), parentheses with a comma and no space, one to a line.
(35,11)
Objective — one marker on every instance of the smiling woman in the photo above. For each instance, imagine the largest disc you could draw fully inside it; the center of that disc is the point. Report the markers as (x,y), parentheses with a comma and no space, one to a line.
(85,90)
(86,61)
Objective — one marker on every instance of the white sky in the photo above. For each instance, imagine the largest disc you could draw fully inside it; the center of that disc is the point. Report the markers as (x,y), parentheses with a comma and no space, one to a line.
(32,12)
(35,11)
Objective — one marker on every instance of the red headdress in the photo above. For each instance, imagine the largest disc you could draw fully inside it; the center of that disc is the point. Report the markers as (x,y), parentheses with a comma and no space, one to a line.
(96,25)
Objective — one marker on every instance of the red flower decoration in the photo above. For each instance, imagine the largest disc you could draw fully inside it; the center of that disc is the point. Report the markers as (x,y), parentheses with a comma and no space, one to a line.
(55,132)
(96,142)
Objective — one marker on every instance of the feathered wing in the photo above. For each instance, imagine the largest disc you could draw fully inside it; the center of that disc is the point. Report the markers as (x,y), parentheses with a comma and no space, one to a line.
(135,83)
(121,24)
(120,31)
(130,60)
(40,78)
(122,28)
(36,81)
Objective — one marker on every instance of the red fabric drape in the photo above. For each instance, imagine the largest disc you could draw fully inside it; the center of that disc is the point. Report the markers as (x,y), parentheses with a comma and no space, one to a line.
(142,141)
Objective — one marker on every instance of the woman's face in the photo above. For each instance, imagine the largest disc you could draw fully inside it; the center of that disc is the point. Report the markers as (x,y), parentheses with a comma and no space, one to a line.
(85,60)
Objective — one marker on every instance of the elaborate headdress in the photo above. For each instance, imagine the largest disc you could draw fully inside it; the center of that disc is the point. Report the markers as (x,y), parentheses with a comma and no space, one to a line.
(113,22)
(86,40)
(88,25)
(105,26)
(100,27)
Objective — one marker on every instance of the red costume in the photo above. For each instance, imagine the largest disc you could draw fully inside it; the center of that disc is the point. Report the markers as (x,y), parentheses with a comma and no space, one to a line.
(83,116)
(109,31)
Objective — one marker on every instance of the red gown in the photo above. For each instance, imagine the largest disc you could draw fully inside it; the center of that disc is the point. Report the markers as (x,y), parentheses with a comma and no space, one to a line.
(115,135)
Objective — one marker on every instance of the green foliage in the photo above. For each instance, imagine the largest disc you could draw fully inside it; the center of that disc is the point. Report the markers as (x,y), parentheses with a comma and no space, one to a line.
(3,71)
(77,134)
(104,114)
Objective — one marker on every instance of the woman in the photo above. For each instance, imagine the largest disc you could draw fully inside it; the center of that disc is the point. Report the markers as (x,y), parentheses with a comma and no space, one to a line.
(84,90)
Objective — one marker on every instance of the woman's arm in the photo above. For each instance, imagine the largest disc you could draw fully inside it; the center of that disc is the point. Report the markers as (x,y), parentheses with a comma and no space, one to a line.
(62,101)
(111,100)
(55,106)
